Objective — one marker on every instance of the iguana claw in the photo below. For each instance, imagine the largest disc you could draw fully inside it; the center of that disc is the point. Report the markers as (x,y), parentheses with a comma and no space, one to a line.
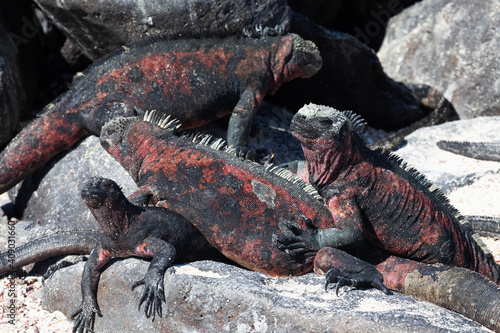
(295,240)
(153,294)
(367,277)
(85,317)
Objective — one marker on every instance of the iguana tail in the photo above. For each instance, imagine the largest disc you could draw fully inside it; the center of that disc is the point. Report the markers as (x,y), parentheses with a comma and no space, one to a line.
(441,111)
(50,133)
(67,242)
(487,226)
(487,151)
(454,288)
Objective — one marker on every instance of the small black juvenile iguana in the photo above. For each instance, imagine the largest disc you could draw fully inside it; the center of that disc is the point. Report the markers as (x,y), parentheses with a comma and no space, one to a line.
(127,230)
(134,231)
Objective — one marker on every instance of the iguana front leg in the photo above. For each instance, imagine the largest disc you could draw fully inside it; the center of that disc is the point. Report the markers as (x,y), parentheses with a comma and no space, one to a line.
(240,121)
(84,315)
(163,257)
(350,231)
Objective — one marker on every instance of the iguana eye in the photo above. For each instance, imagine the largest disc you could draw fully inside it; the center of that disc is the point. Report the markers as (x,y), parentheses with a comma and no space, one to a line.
(326,122)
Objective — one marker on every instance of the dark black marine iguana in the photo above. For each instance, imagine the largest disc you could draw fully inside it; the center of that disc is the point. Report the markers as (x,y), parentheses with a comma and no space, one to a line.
(238,206)
(196,80)
(127,230)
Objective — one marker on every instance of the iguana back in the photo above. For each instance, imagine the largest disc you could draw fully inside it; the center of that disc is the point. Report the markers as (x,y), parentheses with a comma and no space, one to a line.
(236,204)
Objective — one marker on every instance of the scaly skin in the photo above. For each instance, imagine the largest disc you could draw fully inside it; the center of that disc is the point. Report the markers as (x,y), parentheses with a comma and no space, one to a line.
(65,242)
(488,151)
(238,206)
(376,197)
(223,195)
(134,231)
(195,81)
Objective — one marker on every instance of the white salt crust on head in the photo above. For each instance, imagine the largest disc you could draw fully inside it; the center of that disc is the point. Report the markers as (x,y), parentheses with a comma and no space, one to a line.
(315,111)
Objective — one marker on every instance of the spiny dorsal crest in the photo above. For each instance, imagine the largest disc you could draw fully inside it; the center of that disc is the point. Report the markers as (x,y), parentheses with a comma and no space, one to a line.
(358,123)
(439,197)
(161,120)
(294,179)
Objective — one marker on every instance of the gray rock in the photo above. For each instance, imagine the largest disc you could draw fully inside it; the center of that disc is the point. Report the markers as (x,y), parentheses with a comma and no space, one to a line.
(19,33)
(214,297)
(52,195)
(100,27)
(452,46)
(471,185)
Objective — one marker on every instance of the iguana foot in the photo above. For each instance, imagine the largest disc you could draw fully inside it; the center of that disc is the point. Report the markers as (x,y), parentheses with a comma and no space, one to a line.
(347,270)
(262,156)
(153,294)
(55,267)
(295,240)
(364,278)
(85,317)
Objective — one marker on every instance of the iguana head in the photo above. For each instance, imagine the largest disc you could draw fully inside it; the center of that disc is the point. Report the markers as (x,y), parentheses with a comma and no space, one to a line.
(305,57)
(330,139)
(294,57)
(97,192)
(108,204)
(127,139)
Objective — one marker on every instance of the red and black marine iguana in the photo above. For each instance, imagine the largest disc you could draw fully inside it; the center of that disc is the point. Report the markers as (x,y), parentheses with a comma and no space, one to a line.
(196,81)
(238,205)
(376,196)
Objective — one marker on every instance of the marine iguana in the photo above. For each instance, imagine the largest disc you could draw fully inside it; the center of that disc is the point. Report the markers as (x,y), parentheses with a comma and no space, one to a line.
(131,230)
(196,81)
(127,230)
(375,196)
(238,205)
(488,151)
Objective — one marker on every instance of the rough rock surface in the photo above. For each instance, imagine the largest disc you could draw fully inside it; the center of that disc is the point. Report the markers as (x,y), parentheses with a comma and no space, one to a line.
(19,33)
(452,46)
(211,296)
(471,185)
(59,184)
(99,27)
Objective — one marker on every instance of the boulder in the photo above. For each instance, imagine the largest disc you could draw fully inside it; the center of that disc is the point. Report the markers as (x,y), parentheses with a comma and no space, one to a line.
(215,297)
(100,27)
(19,52)
(452,46)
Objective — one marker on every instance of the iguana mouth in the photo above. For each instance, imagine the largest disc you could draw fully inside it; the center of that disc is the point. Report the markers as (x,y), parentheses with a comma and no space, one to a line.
(300,128)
